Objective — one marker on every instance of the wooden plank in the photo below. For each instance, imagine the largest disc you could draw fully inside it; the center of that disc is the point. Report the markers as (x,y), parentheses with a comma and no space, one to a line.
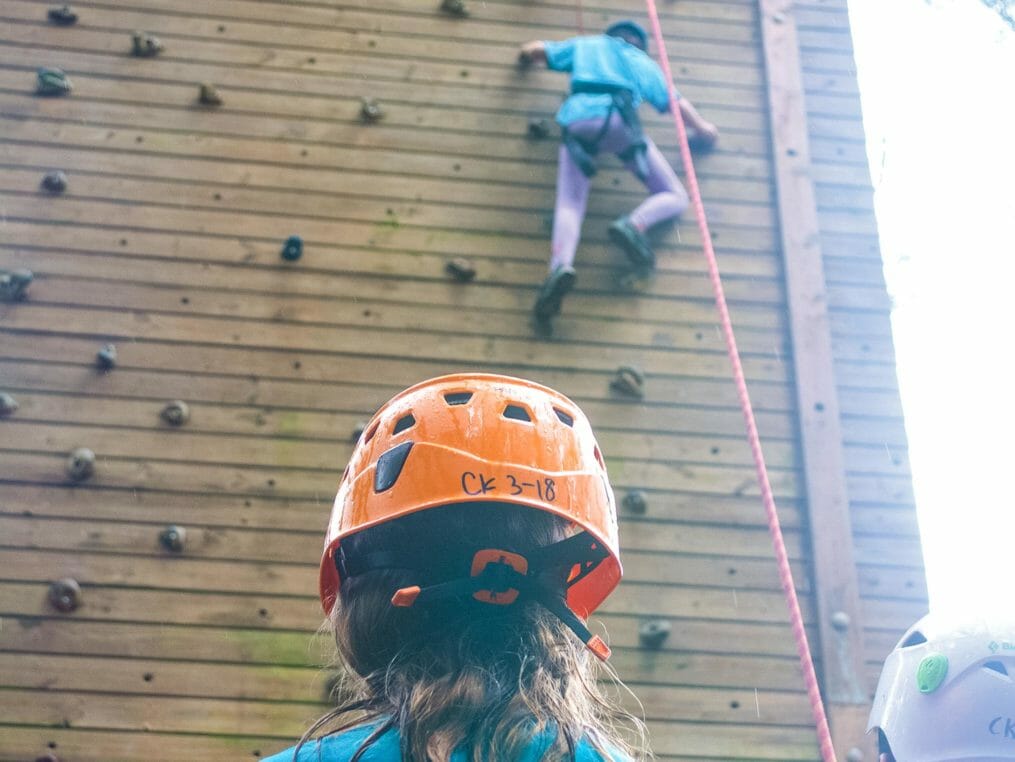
(828,495)
(274,140)
(303,612)
(254,544)
(283,513)
(333,431)
(105,636)
(34,151)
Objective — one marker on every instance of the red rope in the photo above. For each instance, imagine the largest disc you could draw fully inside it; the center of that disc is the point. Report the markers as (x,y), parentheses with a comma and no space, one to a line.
(785,573)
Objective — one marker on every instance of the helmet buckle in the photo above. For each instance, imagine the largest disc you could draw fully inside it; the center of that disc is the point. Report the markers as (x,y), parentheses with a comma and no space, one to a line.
(498,569)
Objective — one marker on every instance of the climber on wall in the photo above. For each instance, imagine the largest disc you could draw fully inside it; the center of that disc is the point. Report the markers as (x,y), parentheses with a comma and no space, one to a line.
(473,533)
(611,74)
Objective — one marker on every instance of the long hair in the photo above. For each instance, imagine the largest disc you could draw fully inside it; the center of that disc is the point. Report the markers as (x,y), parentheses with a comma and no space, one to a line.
(487,679)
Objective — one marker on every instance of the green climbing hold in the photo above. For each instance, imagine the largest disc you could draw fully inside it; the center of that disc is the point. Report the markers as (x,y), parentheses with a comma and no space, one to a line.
(292,249)
(931,673)
(52,82)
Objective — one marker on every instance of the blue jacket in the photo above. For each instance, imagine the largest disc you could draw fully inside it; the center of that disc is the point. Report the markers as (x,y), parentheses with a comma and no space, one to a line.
(603,60)
(341,747)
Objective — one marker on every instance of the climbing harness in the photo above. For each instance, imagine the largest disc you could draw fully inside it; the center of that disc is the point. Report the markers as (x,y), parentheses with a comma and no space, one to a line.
(753,438)
(622,103)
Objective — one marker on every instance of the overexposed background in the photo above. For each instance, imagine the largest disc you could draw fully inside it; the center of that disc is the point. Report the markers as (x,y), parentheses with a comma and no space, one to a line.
(937,81)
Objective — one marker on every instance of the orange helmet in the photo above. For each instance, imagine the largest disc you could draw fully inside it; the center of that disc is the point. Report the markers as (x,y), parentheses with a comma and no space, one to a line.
(473,437)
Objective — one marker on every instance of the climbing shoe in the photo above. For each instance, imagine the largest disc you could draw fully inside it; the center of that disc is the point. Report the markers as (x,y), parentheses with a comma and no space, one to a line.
(554,289)
(633,242)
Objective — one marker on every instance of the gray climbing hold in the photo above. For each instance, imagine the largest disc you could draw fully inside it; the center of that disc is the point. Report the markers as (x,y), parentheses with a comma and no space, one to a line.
(175,413)
(460,269)
(62,15)
(629,380)
(14,284)
(65,595)
(54,181)
(292,249)
(173,538)
(636,502)
(105,358)
(653,633)
(144,45)
(455,8)
(8,405)
(370,110)
(208,95)
(80,464)
(52,82)
(539,129)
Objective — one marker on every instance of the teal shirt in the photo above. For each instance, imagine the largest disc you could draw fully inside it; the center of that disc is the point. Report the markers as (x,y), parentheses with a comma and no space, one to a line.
(341,746)
(603,60)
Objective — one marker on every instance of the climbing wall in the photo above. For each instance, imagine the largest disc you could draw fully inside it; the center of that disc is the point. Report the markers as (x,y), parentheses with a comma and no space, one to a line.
(392,138)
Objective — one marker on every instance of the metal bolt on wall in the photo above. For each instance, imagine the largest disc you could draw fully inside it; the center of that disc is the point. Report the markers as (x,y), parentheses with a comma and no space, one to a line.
(175,413)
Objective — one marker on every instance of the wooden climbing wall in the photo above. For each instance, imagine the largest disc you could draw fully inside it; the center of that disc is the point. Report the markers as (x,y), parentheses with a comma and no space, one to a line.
(166,243)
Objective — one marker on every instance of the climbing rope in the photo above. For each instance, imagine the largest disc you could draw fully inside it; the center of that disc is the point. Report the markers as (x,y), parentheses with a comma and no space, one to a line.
(774,529)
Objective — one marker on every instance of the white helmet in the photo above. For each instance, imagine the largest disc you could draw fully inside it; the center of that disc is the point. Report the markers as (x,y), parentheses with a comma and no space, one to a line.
(946,693)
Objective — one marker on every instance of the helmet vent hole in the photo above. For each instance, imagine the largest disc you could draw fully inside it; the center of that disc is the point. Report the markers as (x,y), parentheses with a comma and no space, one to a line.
(370,434)
(517,413)
(599,457)
(564,417)
(403,423)
(914,639)
(457,398)
(996,666)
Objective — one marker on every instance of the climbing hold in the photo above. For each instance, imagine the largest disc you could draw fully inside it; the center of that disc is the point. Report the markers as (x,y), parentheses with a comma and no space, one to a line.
(81,464)
(370,110)
(65,595)
(840,621)
(48,757)
(357,431)
(62,15)
(635,501)
(54,181)
(208,95)
(105,358)
(460,269)
(175,413)
(14,284)
(7,404)
(539,128)
(52,82)
(292,249)
(653,633)
(173,538)
(455,8)
(854,755)
(629,380)
(144,45)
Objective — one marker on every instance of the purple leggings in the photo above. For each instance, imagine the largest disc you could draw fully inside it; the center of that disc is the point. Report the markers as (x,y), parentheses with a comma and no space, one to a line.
(668,197)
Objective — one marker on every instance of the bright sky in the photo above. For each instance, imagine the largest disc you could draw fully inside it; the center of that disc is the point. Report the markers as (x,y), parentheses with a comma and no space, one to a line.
(938,88)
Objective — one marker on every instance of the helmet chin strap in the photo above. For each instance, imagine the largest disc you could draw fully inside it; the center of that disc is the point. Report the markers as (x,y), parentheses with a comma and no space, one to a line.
(499,577)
